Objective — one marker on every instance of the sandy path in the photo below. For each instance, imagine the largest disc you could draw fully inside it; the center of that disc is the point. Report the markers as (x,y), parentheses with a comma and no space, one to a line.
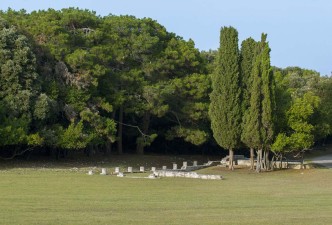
(324,160)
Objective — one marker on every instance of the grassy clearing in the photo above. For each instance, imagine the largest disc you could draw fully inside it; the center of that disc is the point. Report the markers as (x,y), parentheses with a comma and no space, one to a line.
(51,196)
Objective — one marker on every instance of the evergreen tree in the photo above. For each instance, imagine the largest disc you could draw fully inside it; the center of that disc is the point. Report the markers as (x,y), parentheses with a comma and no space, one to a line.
(247,58)
(258,129)
(225,107)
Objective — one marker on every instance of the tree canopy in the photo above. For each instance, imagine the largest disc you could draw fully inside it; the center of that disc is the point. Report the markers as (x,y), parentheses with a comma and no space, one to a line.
(73,80)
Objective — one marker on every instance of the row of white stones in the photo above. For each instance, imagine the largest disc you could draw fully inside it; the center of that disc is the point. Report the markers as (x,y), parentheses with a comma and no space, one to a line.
(142,169)
(164,172)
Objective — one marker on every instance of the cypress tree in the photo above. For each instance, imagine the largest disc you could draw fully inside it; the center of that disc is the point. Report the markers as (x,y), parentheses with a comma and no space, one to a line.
(247,58)
(258,119)
(268,102)
(225,107)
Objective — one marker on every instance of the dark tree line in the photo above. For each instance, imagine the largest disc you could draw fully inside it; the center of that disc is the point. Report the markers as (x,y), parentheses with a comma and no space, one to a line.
(73,80)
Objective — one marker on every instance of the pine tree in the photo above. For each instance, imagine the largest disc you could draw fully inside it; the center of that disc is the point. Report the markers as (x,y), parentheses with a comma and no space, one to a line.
(225,107)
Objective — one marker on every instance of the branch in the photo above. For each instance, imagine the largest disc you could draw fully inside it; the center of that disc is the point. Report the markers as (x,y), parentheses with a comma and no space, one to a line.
(17,154)
(177,118)
(137,127)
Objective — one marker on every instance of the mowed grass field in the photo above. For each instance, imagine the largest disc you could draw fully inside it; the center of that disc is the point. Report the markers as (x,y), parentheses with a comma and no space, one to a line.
(63,196)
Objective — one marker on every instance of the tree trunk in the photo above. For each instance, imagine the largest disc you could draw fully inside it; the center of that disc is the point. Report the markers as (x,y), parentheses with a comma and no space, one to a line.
(264,165)
(259,160)
(273,163)
(252,161)
(267,160)
(108,147)
(145,129)
(120,131)
(231,159)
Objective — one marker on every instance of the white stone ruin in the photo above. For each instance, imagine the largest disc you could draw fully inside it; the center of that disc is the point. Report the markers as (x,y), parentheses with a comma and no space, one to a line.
(103,171)
(175,166)
(90,172)
(120,174)
(194,175)
(185,171)
(152,176)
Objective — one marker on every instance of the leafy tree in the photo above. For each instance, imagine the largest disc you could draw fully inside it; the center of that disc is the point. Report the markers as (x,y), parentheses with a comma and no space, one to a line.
(225,107)
(300,117)
(18,88)
(299,91)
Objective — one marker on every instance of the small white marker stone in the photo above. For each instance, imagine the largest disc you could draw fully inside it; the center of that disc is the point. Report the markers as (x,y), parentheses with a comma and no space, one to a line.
(103,171)
(175,166)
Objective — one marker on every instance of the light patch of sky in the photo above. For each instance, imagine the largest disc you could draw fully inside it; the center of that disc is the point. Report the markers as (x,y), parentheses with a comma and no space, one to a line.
(299,31)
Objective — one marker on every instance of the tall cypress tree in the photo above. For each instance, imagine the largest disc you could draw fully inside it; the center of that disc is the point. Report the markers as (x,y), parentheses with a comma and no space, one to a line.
(247,58)
(268,101)
(225,107)
(258,119)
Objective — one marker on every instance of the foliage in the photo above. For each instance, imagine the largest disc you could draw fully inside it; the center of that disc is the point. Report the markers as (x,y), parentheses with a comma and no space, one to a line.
(74,138)
(71,79)
(300,116)
(225,109)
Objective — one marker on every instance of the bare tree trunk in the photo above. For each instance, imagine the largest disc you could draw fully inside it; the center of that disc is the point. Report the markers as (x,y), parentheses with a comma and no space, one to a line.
(273,163)
(120,131)
(231,159)
(267,160)
(302,160)
(108,147)
(145,129)
(259,160)
(252,161)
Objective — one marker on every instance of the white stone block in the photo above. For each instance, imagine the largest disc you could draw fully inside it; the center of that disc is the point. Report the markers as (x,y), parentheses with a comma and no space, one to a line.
(120,174)
(103,171)
(117,170)
(204,177)
(130,169)
(90,172)
(141,169)
(153,169)
(164,167)
(195,163)
(175,166)
(152,176)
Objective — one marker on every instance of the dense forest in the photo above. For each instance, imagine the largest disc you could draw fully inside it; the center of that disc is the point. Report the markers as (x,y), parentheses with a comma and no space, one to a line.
(73,80)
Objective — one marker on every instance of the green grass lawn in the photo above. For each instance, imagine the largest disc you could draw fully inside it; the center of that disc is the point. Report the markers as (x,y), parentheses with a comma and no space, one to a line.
(51,196)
